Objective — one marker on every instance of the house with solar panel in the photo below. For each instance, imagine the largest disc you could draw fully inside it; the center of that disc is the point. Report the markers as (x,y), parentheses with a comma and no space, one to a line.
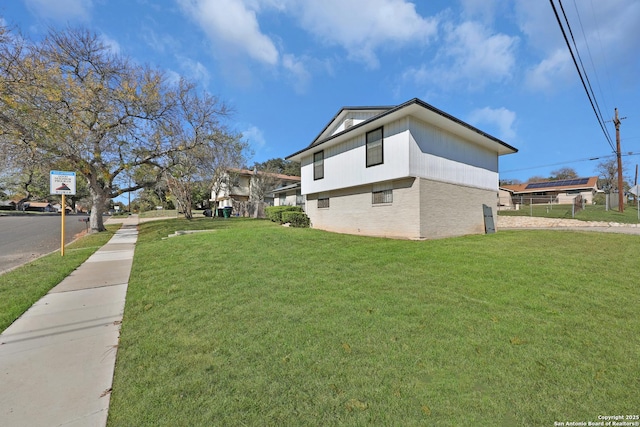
(560,192)
(402,171)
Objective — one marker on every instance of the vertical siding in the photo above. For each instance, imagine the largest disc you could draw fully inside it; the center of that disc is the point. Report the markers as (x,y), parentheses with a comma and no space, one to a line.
(345,163)
(439,155)
(356,117)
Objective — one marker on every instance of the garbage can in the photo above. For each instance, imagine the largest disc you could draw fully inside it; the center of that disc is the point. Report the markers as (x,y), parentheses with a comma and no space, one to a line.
(219,212)
(227,211)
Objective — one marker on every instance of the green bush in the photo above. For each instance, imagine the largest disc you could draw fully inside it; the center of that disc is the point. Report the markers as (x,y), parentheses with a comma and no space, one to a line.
(296,219)
(274,213)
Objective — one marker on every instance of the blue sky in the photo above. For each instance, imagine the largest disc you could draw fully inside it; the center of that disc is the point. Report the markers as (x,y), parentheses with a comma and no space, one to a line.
(287,66)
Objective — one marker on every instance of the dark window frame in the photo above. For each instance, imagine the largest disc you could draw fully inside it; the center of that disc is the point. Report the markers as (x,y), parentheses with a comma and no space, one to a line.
(384,197)
(318,164)
(369,148)
(321,201)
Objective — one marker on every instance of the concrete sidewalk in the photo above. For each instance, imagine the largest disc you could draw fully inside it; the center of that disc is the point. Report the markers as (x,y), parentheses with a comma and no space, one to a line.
(57,360)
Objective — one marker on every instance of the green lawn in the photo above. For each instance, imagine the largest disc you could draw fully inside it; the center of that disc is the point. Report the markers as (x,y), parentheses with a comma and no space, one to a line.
(22,287)
(590,213)
(260,325)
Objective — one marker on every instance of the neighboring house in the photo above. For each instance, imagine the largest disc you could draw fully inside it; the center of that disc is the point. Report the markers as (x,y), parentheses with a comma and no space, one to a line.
(288,195)
(39,207)
(58,208)
(242,185)
(8,205)
(408,171)
(562,191)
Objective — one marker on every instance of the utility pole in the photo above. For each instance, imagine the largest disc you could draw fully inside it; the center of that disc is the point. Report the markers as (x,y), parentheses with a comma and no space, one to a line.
(616,122)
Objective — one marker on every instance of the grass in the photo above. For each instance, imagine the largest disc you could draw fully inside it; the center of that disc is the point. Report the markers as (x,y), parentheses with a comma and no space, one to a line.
(168,213)
(22,287)
(256,324)
(590,213)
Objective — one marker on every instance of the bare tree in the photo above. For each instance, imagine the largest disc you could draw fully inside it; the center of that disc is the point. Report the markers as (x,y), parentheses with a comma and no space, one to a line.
(563,173)
(212,145)
(262,183)
(608,175)
(77,101)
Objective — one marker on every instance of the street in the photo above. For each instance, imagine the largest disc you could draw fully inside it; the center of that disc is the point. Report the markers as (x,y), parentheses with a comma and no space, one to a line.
(26,237)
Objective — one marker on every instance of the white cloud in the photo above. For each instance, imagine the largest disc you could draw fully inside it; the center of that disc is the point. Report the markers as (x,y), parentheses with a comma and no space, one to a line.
(480,9)
(606,33)
(500,118)
(297,71)
(61,10)
(471,53)
(112,44)
(173,77)
(194,71)
(160,43)
(254,136)
(233,27)
(470,57)
(556,68)
(363,26)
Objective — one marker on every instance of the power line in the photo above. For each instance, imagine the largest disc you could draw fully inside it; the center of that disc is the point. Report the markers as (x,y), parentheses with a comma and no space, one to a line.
(566,162)
(586,43)
(580,73)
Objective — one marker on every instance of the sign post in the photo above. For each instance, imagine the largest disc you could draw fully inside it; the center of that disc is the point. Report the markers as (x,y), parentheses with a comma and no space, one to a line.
(62,183)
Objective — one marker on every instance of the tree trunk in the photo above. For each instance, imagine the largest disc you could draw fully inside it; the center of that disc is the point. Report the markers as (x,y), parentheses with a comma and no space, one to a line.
(98,203)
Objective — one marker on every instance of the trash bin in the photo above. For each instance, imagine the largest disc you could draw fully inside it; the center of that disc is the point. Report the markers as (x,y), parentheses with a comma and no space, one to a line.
(207,213)
(227,211)
(219,212)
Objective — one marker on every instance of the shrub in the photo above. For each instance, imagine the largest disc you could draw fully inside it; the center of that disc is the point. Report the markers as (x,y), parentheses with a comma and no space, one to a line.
(296,219)
(274,213)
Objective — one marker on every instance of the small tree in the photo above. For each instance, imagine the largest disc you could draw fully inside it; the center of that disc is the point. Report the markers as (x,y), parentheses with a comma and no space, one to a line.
(608,176)
(212,145)
(563,173)
(262,183)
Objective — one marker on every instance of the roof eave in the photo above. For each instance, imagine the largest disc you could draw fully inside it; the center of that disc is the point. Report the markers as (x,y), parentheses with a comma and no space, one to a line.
(504,148)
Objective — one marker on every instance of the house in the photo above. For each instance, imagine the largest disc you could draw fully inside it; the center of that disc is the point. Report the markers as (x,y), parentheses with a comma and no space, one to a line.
(38,207)
(8,205)
(242,188)
(562,191)
(406,171)
(288,195)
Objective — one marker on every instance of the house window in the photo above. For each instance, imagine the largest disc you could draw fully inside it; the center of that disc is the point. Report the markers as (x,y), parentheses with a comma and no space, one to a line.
(323,203)
(283,199)
(374,147)
(318,165)
(380,197)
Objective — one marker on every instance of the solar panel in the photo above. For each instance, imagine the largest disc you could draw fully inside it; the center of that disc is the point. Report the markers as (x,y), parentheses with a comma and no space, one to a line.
(559,183)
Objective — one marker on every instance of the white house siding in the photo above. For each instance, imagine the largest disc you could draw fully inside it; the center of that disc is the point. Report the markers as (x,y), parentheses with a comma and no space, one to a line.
(441,156)
(568,198)
(289,200)
(448,210)
(351,211)
(356,117)
(345,163)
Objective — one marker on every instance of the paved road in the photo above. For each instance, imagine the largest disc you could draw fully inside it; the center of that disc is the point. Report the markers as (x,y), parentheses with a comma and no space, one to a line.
(24,238)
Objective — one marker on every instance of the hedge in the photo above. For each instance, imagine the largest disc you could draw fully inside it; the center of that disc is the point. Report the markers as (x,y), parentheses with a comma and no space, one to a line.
(296,219)
(274,213)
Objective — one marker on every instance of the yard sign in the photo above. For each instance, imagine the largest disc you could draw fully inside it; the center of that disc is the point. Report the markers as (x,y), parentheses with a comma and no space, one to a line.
(62,183)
